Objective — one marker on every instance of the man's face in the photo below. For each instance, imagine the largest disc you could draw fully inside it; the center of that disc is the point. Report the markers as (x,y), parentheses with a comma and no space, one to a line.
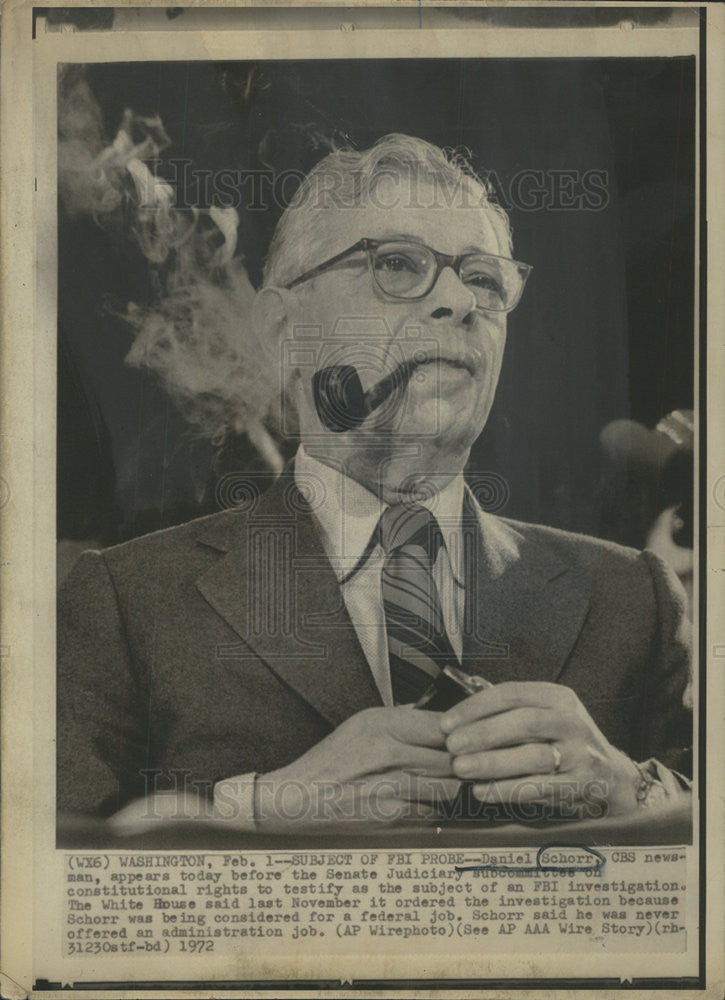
(429,426)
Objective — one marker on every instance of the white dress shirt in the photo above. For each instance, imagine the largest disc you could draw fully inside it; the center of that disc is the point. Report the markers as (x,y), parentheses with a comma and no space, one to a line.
(347,514)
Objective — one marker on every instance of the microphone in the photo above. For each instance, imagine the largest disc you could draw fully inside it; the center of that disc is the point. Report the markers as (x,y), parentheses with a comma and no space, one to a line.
(341,402)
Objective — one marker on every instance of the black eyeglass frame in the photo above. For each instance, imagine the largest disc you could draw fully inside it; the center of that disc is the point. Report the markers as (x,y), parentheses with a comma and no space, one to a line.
(443,260)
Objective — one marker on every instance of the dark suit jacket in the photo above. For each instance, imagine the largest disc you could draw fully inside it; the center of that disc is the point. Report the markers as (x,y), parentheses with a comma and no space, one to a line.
(223,646)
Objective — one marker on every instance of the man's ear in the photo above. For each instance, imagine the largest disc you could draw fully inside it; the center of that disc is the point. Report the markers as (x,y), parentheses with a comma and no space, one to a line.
(271,320)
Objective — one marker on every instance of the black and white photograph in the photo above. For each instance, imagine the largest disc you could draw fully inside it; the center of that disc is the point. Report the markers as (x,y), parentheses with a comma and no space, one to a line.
(368,406)
(375,444)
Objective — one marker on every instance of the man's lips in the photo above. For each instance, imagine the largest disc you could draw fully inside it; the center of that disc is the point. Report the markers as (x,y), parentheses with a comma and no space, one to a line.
(343,404)
(469,361)
(398,378)
(463,364)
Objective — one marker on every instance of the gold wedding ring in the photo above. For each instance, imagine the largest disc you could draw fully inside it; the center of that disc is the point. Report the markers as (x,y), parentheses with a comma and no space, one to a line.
(557,759)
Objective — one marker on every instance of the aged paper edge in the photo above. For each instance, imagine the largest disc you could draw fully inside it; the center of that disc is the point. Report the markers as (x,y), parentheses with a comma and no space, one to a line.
(28,451)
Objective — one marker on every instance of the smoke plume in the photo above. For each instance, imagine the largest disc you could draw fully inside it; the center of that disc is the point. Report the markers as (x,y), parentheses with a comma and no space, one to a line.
(196,335)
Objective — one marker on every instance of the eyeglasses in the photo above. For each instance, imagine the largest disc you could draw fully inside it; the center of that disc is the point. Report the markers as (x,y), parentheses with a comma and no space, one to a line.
(406,270)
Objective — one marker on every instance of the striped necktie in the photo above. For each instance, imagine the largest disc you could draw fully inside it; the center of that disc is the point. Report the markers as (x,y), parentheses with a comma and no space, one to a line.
(418,647)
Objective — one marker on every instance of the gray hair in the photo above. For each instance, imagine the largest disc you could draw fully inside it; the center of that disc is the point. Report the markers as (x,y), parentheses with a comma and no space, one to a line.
(347,178)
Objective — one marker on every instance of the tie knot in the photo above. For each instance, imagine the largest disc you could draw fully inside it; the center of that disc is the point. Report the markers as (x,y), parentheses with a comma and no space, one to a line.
(410,524)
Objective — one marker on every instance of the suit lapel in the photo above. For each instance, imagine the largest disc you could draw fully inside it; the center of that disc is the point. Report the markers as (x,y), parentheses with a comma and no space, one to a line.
(524,606)
(276,589)
(274,586)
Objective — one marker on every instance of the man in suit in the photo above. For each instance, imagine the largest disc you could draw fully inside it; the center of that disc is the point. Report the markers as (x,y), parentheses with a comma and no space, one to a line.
(269,658)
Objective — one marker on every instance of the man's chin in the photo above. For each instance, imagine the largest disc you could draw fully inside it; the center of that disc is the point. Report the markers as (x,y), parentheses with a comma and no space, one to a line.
(432,449)
(440,426)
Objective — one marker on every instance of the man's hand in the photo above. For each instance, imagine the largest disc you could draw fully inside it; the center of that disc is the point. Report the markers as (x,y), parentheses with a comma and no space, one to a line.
(379,767)
(533,742)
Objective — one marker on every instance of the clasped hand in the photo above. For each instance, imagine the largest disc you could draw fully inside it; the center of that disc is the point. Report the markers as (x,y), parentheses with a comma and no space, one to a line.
(517,743)
(531,742)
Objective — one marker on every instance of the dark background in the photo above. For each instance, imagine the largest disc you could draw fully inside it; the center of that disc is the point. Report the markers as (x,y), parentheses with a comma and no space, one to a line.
(604,331)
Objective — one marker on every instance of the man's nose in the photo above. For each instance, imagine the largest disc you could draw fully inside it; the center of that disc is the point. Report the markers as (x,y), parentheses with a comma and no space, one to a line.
(451,300)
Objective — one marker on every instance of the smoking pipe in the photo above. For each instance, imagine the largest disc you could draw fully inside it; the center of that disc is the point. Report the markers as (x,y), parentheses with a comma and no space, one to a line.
(342,403)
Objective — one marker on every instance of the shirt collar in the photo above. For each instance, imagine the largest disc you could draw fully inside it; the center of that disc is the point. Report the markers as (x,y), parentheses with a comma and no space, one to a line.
(348,513)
